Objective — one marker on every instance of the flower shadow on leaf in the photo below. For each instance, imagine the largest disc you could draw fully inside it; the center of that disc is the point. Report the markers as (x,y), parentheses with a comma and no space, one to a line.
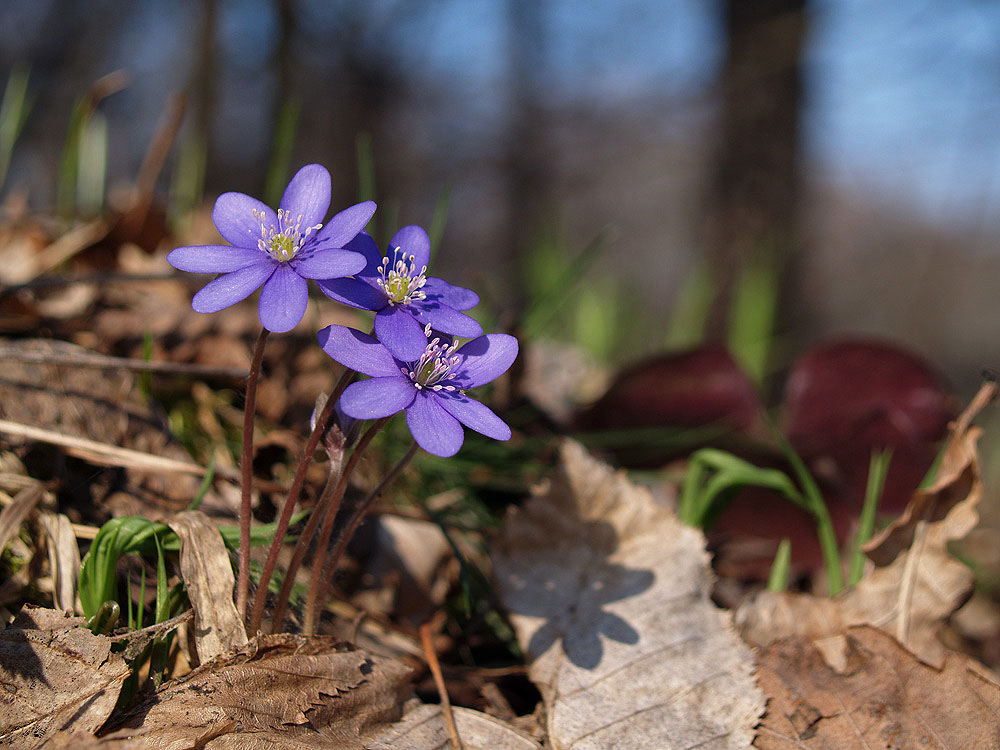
(572,588)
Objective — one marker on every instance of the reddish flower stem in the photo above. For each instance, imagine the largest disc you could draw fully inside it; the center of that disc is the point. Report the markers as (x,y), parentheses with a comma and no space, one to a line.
(362,511)
(321,509)
(322,549)
(322,422)
(246,467)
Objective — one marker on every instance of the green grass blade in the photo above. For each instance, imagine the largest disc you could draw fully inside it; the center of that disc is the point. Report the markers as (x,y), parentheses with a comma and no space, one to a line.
(14,111)
(751,323)
(878,469)
(281,149)
(781,567)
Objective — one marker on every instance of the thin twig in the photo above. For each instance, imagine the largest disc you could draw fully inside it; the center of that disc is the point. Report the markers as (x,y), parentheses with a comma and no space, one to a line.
(106,454)
(435,667)
(9,353)
(246,469)
(322,422)
(101,277)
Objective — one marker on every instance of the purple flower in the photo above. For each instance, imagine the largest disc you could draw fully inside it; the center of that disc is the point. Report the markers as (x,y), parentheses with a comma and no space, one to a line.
(430,388)
(277,250)
(404,298)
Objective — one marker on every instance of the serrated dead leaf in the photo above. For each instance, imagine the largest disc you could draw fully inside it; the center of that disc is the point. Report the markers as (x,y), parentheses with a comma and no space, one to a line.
(55,676)
(885,698)
(277,691)
(609,595)
(423,728)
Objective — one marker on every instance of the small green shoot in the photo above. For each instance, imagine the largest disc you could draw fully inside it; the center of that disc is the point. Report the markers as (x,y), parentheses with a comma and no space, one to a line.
(751,322)
(281,149)
(781,567)
(878,469)
(206,483)
(686,327)
(439,220)
(714,476)
(816,505)
(14,111)
(187,185)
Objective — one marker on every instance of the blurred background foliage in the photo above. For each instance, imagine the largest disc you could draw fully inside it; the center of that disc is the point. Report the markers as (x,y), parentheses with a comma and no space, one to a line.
(767,173)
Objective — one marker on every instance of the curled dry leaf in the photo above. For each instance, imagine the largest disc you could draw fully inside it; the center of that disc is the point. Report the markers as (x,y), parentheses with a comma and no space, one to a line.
(885,697)
(208,578)
(14,514)
(55,676)
(277,691)
(920,583)
(64,559)
(423,728)
(609,595)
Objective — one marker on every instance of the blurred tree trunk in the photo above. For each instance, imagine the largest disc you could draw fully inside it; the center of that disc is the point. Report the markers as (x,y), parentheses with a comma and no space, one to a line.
(755,190)
(526,157)
(205,84)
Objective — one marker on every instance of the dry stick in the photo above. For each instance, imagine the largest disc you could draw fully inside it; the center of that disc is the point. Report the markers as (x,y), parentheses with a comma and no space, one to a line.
(322,550)
(125,363)
(105,454)
(292,499)
(362,511)
(246,468)
(435,667)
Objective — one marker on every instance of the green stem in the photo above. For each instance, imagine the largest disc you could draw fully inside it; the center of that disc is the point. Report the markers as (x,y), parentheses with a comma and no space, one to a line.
(322,422)
(246,467)
(824,524)
(878,469)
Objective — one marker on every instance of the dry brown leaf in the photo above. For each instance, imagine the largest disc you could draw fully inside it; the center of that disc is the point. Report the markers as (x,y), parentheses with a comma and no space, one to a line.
(98,404)
(55,676)
(277,691)
(885,698)
(423,728)
(208,578)
(14,514)
(609,595)
(921,585)
(956,480)
(64,559)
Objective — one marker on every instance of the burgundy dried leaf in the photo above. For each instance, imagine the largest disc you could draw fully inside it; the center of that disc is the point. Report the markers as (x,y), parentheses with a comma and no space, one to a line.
(697,388)
(846,399)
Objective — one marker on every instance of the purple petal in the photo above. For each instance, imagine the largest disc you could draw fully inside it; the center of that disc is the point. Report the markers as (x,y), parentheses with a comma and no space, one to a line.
(434,429)
(378,397)
(232,287)
(358,351)
(458,297)
(484,359)
(234,218)
(446,319)
(212,258)
(365,245)
(308,195)
(400,332)
(354,293)
(412,240)
(283,300)
(346,225)
(475,415)
(328,264)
